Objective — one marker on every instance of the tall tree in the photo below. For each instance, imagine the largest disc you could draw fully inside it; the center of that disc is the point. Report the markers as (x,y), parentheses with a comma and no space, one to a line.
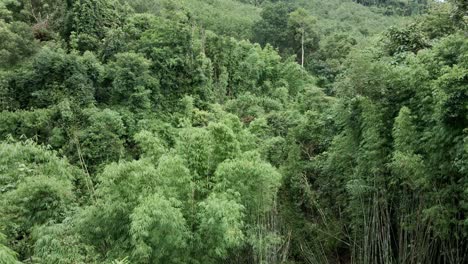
(302,26)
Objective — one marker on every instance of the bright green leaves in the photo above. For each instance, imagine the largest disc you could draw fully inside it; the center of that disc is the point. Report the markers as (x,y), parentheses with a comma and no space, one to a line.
(247,106)
(36,188)
(204,149)
(43,18)
(256,181)
(220,227)
(194,146)
(7,256)
(159,231)
(411,171)
(438,21)
(181,204)
(301,25)
(175,177)
(150,144)
(404,131)
(5,13)
(124,183)
(406,164)
(225,144)
(240,67)
(312,134)
(45,15)
(22,160)
(26,123)
(60,243)
(106,223)
(161,58)
(40,199)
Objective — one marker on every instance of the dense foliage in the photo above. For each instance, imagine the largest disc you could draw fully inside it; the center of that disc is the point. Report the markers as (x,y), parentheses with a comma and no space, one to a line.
(233,131)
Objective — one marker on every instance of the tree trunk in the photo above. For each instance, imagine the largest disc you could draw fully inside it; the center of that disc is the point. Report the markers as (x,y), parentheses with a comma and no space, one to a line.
(302,49)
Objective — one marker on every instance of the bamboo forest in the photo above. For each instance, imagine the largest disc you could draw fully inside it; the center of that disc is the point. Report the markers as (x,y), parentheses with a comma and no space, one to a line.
(233,131)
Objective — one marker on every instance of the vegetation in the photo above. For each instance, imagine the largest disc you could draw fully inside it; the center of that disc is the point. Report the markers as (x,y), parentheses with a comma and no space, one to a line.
(233,131)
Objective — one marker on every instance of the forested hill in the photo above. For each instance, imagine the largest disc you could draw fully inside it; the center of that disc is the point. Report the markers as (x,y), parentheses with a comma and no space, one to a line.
(233,131)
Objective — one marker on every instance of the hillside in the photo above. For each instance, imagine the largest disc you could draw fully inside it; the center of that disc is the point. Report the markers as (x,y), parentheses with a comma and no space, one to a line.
(233,131)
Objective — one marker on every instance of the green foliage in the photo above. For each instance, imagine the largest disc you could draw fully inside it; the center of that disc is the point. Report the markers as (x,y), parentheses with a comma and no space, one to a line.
(7,256)
(37,188)
(60,243)
(159,231)
(194,146)
(301,24)
(90,20)
(210,15)
(29,124)
(105,224)
(340,137)
(151,145)
(103,126)
(255,180)
(17,43)
(224,142)
(407,40)
(54,76)
(220,227)
(132,83)
(452,95)
(460,12)
(397,6)
(175,177)
(437,22)
(273,27)
(404,131)
(332,52)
